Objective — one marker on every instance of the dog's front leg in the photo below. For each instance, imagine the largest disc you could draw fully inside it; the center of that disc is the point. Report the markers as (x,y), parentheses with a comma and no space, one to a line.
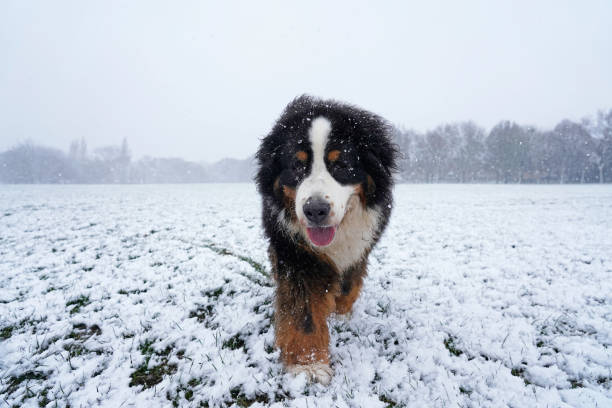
(301,328)
(350,288)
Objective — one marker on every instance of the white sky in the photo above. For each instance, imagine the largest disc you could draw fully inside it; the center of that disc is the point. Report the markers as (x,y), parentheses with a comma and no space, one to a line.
(204,80)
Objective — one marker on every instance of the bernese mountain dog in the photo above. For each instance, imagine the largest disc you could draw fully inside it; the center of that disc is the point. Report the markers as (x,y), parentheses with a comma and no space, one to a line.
(325,174)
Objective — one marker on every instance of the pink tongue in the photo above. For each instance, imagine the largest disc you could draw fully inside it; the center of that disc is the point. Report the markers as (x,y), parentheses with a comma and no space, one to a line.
(321,236)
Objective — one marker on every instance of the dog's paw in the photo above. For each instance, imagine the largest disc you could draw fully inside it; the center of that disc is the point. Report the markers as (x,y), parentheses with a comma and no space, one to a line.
(319,372)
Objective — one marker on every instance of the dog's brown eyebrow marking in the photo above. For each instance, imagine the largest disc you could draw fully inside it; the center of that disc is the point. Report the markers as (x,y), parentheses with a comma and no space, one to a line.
(302,155)
(333,155)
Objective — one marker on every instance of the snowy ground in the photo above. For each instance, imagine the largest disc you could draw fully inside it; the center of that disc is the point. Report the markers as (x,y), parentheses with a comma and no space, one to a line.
(158,295)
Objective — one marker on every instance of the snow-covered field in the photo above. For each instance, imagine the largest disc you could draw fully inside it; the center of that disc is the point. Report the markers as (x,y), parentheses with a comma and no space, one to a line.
(159,295)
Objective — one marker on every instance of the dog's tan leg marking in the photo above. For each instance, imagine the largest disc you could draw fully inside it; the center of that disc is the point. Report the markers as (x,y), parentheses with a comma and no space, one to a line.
(344,302)
(301,331)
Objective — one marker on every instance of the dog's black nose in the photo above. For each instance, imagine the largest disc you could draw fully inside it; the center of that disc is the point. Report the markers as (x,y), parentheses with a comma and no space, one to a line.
(316,210)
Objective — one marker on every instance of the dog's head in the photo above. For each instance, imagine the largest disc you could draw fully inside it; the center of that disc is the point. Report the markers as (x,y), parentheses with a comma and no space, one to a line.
(320,160)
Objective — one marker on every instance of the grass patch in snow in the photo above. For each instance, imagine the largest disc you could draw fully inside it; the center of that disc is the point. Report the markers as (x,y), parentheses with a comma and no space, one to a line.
(14,383)
(147,375)
(234,343)
(202,312)
(390,403)
(238,397)
(576,383)
(449,343)
(241,400)
(185,391)
(605,381)
(80,331)
(254,264)
(132,292)
(78,303)
(214,293)
(79,334)
(464,390)
(6,332)
(520,372)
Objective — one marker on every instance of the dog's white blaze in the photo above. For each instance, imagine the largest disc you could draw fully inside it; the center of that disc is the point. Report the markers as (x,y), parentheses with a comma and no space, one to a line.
(356,224)
(320,182)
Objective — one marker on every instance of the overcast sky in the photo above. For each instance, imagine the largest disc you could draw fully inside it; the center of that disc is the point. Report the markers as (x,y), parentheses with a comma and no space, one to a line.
(204,80)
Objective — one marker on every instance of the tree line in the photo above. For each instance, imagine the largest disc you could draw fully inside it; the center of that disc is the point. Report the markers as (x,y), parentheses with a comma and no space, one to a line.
(30,163)
(572,152)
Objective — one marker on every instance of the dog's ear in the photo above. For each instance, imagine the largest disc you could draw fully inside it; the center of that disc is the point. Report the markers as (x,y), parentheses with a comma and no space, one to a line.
(370,188)
(380,159)
(268,165)
(380,165)
(281,191)
(374,163)
(375,170)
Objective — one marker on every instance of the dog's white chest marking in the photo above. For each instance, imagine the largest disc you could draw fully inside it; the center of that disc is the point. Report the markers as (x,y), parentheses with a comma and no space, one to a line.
(354,236)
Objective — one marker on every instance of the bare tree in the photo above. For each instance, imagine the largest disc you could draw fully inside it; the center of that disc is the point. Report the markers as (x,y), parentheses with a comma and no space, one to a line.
(470,155)
(601,131)
(508,151)
(574,148)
